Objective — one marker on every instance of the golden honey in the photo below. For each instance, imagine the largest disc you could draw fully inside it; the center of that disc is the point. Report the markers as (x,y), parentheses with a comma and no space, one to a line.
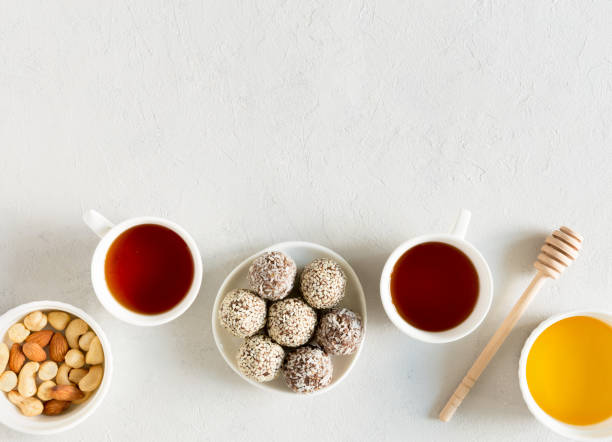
(569,370)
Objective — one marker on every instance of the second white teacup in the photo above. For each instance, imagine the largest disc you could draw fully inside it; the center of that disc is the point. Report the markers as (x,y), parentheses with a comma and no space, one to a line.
(108,233)
(485,294)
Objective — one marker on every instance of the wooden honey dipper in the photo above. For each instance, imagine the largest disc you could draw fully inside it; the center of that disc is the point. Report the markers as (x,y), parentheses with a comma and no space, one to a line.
(557,253)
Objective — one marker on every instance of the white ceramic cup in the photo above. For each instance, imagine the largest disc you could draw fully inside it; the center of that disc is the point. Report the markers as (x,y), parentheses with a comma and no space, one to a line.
(485,295)
(108,233)
(12,417)
(601,430)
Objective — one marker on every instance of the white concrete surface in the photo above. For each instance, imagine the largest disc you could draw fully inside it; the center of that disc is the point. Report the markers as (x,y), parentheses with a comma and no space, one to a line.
(354,124)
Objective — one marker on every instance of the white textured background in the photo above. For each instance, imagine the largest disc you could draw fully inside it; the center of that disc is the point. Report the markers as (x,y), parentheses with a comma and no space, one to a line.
(354,124)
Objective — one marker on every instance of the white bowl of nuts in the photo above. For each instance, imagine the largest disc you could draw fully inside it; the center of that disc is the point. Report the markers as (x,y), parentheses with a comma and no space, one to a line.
(55,367)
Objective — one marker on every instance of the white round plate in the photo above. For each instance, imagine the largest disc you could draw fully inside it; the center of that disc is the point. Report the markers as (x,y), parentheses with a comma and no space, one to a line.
(302,253)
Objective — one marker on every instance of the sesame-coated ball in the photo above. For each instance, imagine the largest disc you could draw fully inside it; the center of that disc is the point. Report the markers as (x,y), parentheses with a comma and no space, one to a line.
(242,313)
(340,332)
(323,283)
(307,369)
(260,358)
(291,322)
(272,275)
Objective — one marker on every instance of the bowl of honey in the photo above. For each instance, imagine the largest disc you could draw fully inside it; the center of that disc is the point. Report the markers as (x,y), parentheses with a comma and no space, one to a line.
(565,374)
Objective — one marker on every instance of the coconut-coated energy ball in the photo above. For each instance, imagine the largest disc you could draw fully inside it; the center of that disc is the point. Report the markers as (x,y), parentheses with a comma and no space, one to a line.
(272,275)
(291,322)
(307,369)
(323,283)
(260,358)
(242,313)
(340,332)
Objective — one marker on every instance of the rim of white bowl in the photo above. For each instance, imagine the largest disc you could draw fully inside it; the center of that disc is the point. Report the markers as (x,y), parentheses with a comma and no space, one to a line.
(57,424)
(601,430)
(280,246)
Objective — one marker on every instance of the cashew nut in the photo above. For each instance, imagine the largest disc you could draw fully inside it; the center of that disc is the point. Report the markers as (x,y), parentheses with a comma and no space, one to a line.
(76,374)
(74,330)
(62,375)
(75,358)
(8,381)
(85,340)
(4,355)
(47,370)
(18,333)
(92,379)
(95,355)
(29,406)
(35,321)
(58,320)
(44,390)
(27,379)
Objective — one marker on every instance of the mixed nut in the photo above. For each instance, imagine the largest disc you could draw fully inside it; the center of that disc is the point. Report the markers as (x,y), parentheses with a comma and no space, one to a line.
(48,369)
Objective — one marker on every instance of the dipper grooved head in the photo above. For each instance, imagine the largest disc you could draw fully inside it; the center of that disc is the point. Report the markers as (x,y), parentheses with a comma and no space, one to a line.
(558,252)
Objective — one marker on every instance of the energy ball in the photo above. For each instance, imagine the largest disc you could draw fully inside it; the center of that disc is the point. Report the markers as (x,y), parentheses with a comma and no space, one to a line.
(242,313)
(307,369)
(291,322)
(271,275)
(340,332)
(260,359)
(323,283)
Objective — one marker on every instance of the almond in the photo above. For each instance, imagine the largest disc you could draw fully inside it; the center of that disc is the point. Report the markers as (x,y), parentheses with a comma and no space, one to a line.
(34,352)
(66,393)
(58,347)
(41,338)
(55,407)
(16,358)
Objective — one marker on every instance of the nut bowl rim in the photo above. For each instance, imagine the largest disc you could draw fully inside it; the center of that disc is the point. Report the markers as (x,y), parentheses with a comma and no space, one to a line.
(44,425)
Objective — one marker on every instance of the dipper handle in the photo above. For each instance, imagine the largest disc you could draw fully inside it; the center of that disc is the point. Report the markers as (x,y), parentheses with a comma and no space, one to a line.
(559,250)
(491,348)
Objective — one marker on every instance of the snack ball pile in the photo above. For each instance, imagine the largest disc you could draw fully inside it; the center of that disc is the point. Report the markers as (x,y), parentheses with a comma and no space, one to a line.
(281,333)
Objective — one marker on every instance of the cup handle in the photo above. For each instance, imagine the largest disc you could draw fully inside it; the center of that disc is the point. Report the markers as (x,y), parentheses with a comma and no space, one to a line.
(98,223)
(462,223)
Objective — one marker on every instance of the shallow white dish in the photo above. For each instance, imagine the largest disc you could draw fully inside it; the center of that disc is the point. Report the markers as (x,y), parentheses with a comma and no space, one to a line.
(601,430)
(10,414)
(302,253)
